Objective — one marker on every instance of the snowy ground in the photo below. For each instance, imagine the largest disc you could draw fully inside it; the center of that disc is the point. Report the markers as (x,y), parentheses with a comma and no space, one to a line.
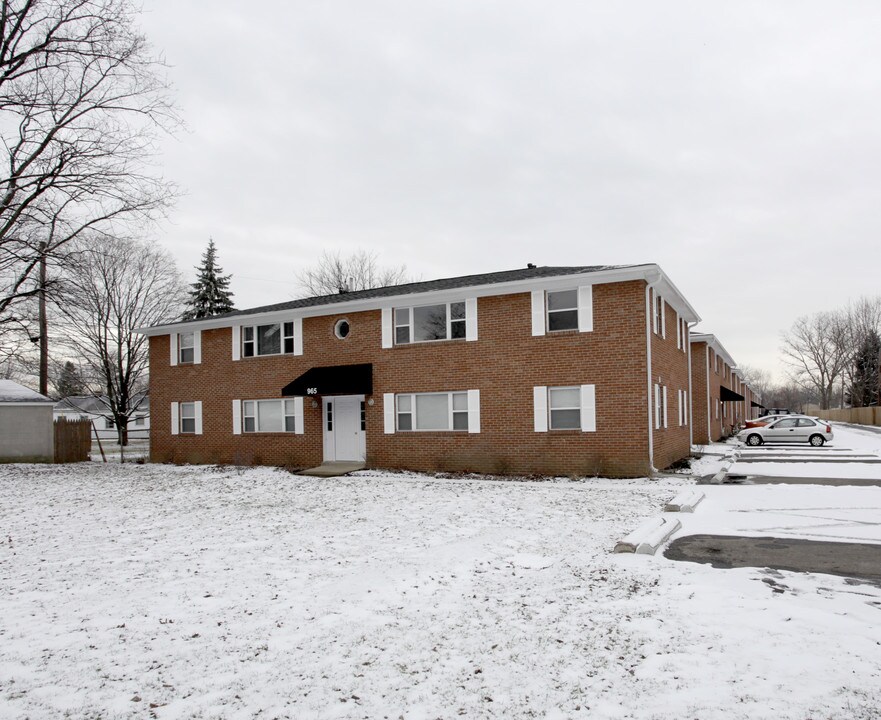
(157,591)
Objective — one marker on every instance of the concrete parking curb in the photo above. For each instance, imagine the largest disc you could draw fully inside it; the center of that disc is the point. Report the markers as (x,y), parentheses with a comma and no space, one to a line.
(685,501)
(649,536)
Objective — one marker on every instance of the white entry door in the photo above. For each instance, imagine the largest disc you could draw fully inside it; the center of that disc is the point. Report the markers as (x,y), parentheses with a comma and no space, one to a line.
(344,436)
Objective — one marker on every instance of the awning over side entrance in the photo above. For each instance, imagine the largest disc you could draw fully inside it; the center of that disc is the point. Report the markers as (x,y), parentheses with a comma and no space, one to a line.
(333,380)
(758,405)
(726,394)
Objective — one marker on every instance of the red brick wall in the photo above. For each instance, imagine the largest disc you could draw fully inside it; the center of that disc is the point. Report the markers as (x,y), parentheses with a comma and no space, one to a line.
(504,364)
(670,366)
(699,392)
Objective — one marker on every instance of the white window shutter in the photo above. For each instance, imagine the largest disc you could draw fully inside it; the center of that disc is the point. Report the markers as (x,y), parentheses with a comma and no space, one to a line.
(236,342)
(540,408)
(175,422)
(197,347)
(470,320)
(685,407)
(173,343)
(585,308)
(657,406)
(538,312)
(298,336)
(665,405)
(388,412)
(655,312)
(236,417)
(387,330)
(679,406)
(678,332)
(588,408)
(198,405)
(299,418)
(474,411)
(663,318)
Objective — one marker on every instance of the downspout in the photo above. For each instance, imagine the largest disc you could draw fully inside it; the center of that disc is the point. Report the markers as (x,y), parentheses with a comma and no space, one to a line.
(688,327)
(649,313)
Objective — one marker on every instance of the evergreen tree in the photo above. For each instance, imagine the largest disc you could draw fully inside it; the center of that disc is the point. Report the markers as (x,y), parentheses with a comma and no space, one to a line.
(69,382)
(866,385)
(210,294)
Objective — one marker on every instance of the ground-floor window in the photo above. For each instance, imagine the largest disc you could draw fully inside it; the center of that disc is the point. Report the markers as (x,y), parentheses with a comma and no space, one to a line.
(187,417)
(432,411)
(567,407)
(268,416)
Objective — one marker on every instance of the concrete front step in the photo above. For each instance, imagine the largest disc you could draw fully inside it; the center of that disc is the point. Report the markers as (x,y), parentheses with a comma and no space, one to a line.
(334,469)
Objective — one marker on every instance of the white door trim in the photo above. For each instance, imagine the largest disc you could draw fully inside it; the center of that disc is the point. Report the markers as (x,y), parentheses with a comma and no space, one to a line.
(329,436)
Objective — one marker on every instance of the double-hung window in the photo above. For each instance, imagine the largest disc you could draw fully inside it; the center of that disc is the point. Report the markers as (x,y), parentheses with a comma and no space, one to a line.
(563,310)
(427,323)
(269,416)
(272,339)
(432,411)
(186,347)
(565,408)
(187,418)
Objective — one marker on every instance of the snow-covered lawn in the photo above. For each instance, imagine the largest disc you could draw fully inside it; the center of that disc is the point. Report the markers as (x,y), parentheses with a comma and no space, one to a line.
(138,591)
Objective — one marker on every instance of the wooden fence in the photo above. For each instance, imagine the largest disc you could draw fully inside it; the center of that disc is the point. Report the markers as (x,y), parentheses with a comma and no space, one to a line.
(73,440)
(858,416)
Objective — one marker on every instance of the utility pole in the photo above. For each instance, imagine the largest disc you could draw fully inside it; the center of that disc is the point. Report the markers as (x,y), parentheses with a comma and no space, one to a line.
(44,326)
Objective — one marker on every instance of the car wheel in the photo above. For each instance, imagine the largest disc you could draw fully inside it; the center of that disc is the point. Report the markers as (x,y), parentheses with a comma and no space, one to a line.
(817,440)
(755,440)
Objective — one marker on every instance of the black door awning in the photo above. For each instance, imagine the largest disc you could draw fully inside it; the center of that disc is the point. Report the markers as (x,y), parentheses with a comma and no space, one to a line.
(725,394)
(758,405)
(333,380)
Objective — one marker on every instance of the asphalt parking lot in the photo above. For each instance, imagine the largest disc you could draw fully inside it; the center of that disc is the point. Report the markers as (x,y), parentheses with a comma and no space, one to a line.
(814,510)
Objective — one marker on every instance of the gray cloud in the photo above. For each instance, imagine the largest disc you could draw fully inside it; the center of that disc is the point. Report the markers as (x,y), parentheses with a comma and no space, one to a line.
(734,144)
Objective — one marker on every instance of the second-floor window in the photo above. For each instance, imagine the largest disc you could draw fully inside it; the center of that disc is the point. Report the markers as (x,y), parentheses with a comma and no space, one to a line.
(563,310)
(186,347)
(428,323)
(273,339)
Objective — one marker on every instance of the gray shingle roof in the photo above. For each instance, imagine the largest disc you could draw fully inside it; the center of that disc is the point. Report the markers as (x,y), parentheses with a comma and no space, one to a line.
(463,281)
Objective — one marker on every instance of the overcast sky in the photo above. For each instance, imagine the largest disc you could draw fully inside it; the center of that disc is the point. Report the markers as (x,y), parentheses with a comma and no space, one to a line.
(736,144)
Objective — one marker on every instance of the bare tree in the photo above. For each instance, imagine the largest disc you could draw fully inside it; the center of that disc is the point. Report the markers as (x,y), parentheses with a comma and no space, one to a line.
(111,288)
(360,271)
(759,380)
(817,351)
(82,102)
(863,324)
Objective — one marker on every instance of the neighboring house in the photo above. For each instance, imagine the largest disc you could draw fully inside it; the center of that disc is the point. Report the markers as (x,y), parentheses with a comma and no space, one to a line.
(26,430)
(89,407)
(551,370)
(719,403)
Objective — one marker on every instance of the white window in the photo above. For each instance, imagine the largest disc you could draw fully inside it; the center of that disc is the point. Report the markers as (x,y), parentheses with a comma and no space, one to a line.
(563,310)
(186,347)
(565,408)
(188,418)
(428,323)
(660,322)
(109,424)
(272,339)
(269,416)
(139,420)
(432,411)
(557,310)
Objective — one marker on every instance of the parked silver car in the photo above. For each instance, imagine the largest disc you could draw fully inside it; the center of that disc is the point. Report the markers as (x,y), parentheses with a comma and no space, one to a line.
(793,428)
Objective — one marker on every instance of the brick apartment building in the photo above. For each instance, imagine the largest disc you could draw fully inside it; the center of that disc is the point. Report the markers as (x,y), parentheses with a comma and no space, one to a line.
(721,398)
(551,370)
